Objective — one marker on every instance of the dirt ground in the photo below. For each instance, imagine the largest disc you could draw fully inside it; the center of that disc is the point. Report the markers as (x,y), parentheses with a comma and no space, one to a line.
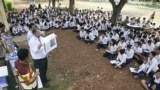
(75,65)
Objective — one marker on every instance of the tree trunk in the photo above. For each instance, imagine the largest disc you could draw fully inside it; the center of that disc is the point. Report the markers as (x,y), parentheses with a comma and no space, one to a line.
(71,6)
(49,4)
(116,10)
(154,2)
(5,8)
(115,15)
(53,3)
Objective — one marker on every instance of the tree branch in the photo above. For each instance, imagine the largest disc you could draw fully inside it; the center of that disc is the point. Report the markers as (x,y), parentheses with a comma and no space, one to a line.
(121,4)
(113,3)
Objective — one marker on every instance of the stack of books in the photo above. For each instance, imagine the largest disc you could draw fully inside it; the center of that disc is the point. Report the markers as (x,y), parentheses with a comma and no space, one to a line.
(3,77)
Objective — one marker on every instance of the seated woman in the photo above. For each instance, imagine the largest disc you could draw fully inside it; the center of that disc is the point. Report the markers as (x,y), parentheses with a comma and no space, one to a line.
(121,59)
(26,76)
(111,51)
(102,43)
(82,35)
(153,83)
(149,47)
(65,25)
(138,71)
(89,38)
(152,64)
(130,53)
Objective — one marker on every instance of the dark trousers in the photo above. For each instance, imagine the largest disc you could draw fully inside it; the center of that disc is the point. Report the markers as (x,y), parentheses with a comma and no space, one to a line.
(42,65)
(99,45)
(109,56)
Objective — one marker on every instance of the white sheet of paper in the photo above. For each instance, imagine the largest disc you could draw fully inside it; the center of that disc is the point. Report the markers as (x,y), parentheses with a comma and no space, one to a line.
(133,70)
(50,42)
(114,62)
(3,85)
(39,82)
(4,71)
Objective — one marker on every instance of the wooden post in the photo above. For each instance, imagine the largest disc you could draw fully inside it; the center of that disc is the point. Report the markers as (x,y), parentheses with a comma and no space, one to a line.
(3,15)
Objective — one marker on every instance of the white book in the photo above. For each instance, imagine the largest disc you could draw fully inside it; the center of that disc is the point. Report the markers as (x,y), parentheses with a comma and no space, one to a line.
(50,42)
(133,70)
(39,82)
(4,71)
(114,62)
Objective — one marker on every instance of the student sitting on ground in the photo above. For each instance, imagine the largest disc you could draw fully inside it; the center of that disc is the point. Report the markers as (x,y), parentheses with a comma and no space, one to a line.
(153,83)
(65,25)
(111,51)
(152,64)
(149,47)
(82,35)
(89,38)
(102,43)
(130,53)
(95,32)
(139,69)
(121,59)
(16,30)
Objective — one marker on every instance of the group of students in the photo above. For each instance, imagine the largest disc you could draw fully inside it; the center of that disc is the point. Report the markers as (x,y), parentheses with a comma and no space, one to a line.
(122,44)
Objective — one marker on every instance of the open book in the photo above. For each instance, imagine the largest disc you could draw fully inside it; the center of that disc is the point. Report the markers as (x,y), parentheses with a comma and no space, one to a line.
(114,61)
(50,42)
(133,70)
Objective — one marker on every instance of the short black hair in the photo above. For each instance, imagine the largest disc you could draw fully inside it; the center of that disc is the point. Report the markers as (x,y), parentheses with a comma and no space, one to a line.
(122,51)
(153,53)
(23,53)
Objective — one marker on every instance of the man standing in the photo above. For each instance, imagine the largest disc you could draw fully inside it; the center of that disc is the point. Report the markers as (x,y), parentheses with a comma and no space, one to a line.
(39,55)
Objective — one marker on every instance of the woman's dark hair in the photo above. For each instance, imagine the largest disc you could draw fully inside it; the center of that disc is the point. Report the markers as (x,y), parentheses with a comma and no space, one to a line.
(23,53)
(140,62)
(153,53)
(122,51)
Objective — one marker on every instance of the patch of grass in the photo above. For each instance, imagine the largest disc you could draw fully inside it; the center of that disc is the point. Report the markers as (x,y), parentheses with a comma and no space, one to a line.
(9,5)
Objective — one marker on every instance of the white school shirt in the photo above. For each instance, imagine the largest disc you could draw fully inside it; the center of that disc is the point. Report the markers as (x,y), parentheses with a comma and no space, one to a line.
(156,80)
(15,30)
(116,37)
(66,24)
(99,28)
(129,53)
(104,27)
(29,35)
(153,65)
(137,49)
(141,68)
(33,45)
(112,48)
(123,45)
(78,27)
(158,58)
(103,40)
(82,34)
(130,42)
(91,36)
(149,48)
(122,58)
(95,33)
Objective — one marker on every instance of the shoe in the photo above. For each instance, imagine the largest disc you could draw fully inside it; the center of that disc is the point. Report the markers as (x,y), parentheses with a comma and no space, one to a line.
(46,85)
(48,80)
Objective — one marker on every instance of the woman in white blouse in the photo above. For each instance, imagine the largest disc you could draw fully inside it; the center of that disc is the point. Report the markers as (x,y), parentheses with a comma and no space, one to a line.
(121,59)
(153,84)
(111,51)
